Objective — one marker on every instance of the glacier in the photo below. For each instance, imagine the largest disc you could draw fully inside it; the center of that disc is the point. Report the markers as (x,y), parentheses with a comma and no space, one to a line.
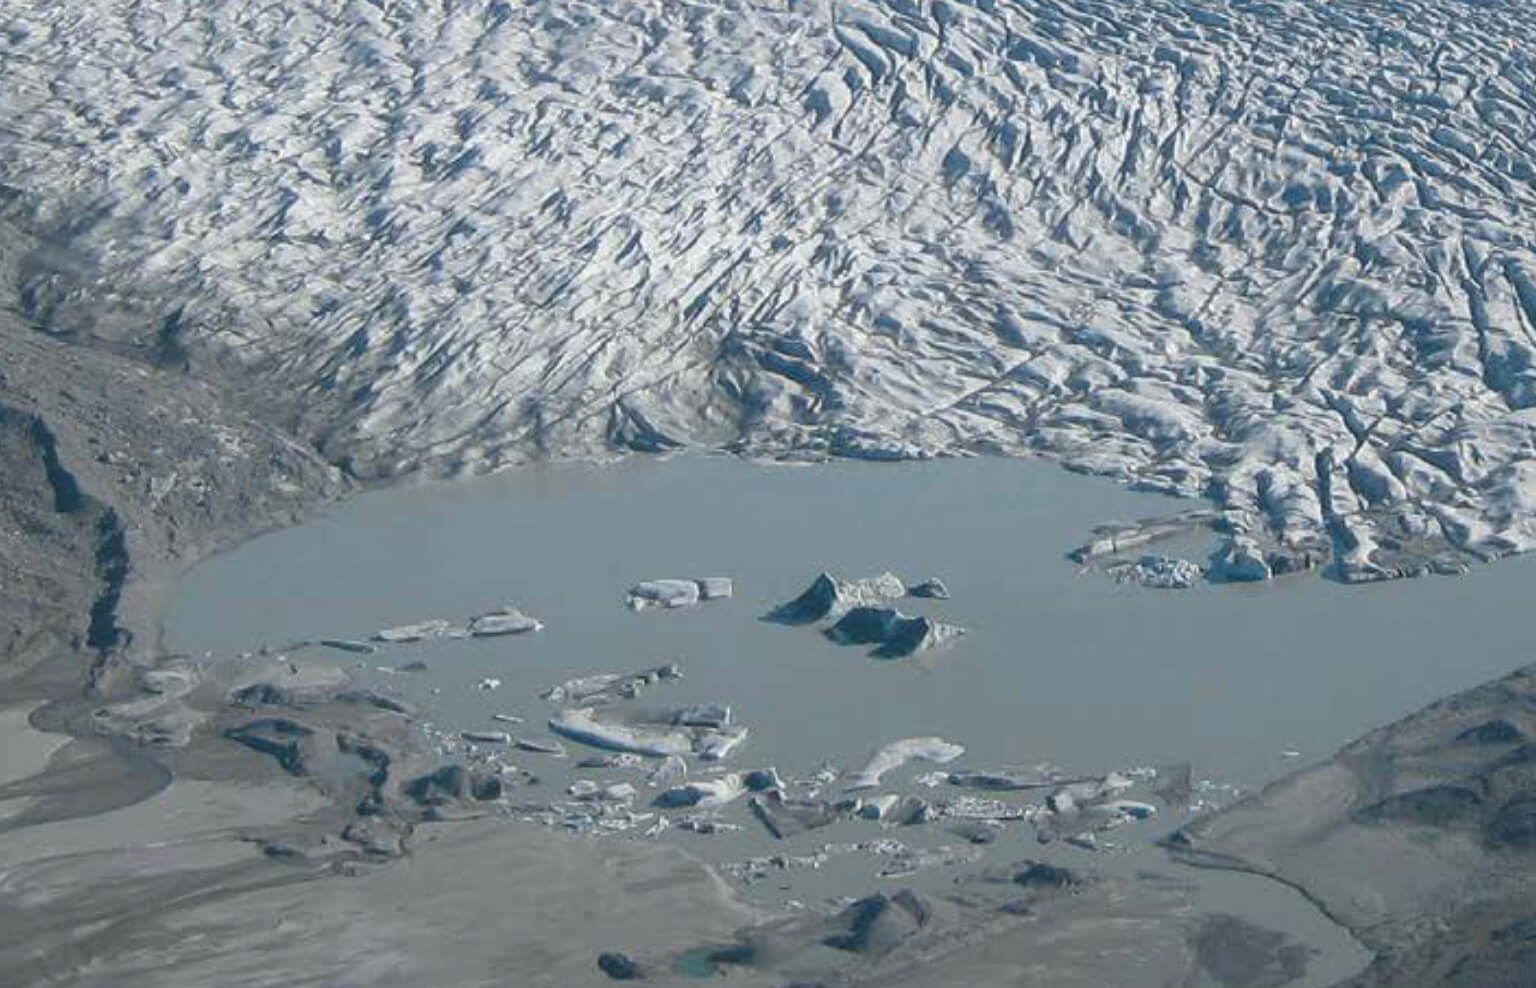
(1272,253)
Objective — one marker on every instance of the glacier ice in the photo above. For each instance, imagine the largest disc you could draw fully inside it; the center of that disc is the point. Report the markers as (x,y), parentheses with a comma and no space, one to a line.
(1275,255)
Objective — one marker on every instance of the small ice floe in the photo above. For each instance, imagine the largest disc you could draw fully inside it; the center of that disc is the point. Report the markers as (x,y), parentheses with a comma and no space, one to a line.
(670,593)
(506,621)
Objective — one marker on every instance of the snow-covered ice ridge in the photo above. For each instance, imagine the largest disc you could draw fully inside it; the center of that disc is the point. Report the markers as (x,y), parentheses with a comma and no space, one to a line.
(1278,254)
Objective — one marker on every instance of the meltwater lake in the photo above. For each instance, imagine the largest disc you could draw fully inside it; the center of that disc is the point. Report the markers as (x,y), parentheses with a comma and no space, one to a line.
(1060,666)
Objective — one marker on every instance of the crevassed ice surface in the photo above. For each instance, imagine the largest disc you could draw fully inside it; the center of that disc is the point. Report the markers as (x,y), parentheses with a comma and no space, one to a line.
(1278,254)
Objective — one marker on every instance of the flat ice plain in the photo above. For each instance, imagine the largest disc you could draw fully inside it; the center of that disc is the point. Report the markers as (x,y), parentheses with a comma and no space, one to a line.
(1274,254)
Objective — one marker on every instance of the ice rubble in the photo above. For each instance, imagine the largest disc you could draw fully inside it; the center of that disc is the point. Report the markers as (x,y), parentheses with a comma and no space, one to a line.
(1275,255)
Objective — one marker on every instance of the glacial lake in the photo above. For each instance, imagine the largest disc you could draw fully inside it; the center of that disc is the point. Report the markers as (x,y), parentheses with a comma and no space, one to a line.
(1060,666)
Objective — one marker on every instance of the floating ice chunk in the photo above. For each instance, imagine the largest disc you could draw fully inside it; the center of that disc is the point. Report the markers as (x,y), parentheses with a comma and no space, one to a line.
(663,593)
(898,753)
(508,621)
(582,726)
(435,628)
(829,597)
(608,687)
(896,634)
(715,587)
